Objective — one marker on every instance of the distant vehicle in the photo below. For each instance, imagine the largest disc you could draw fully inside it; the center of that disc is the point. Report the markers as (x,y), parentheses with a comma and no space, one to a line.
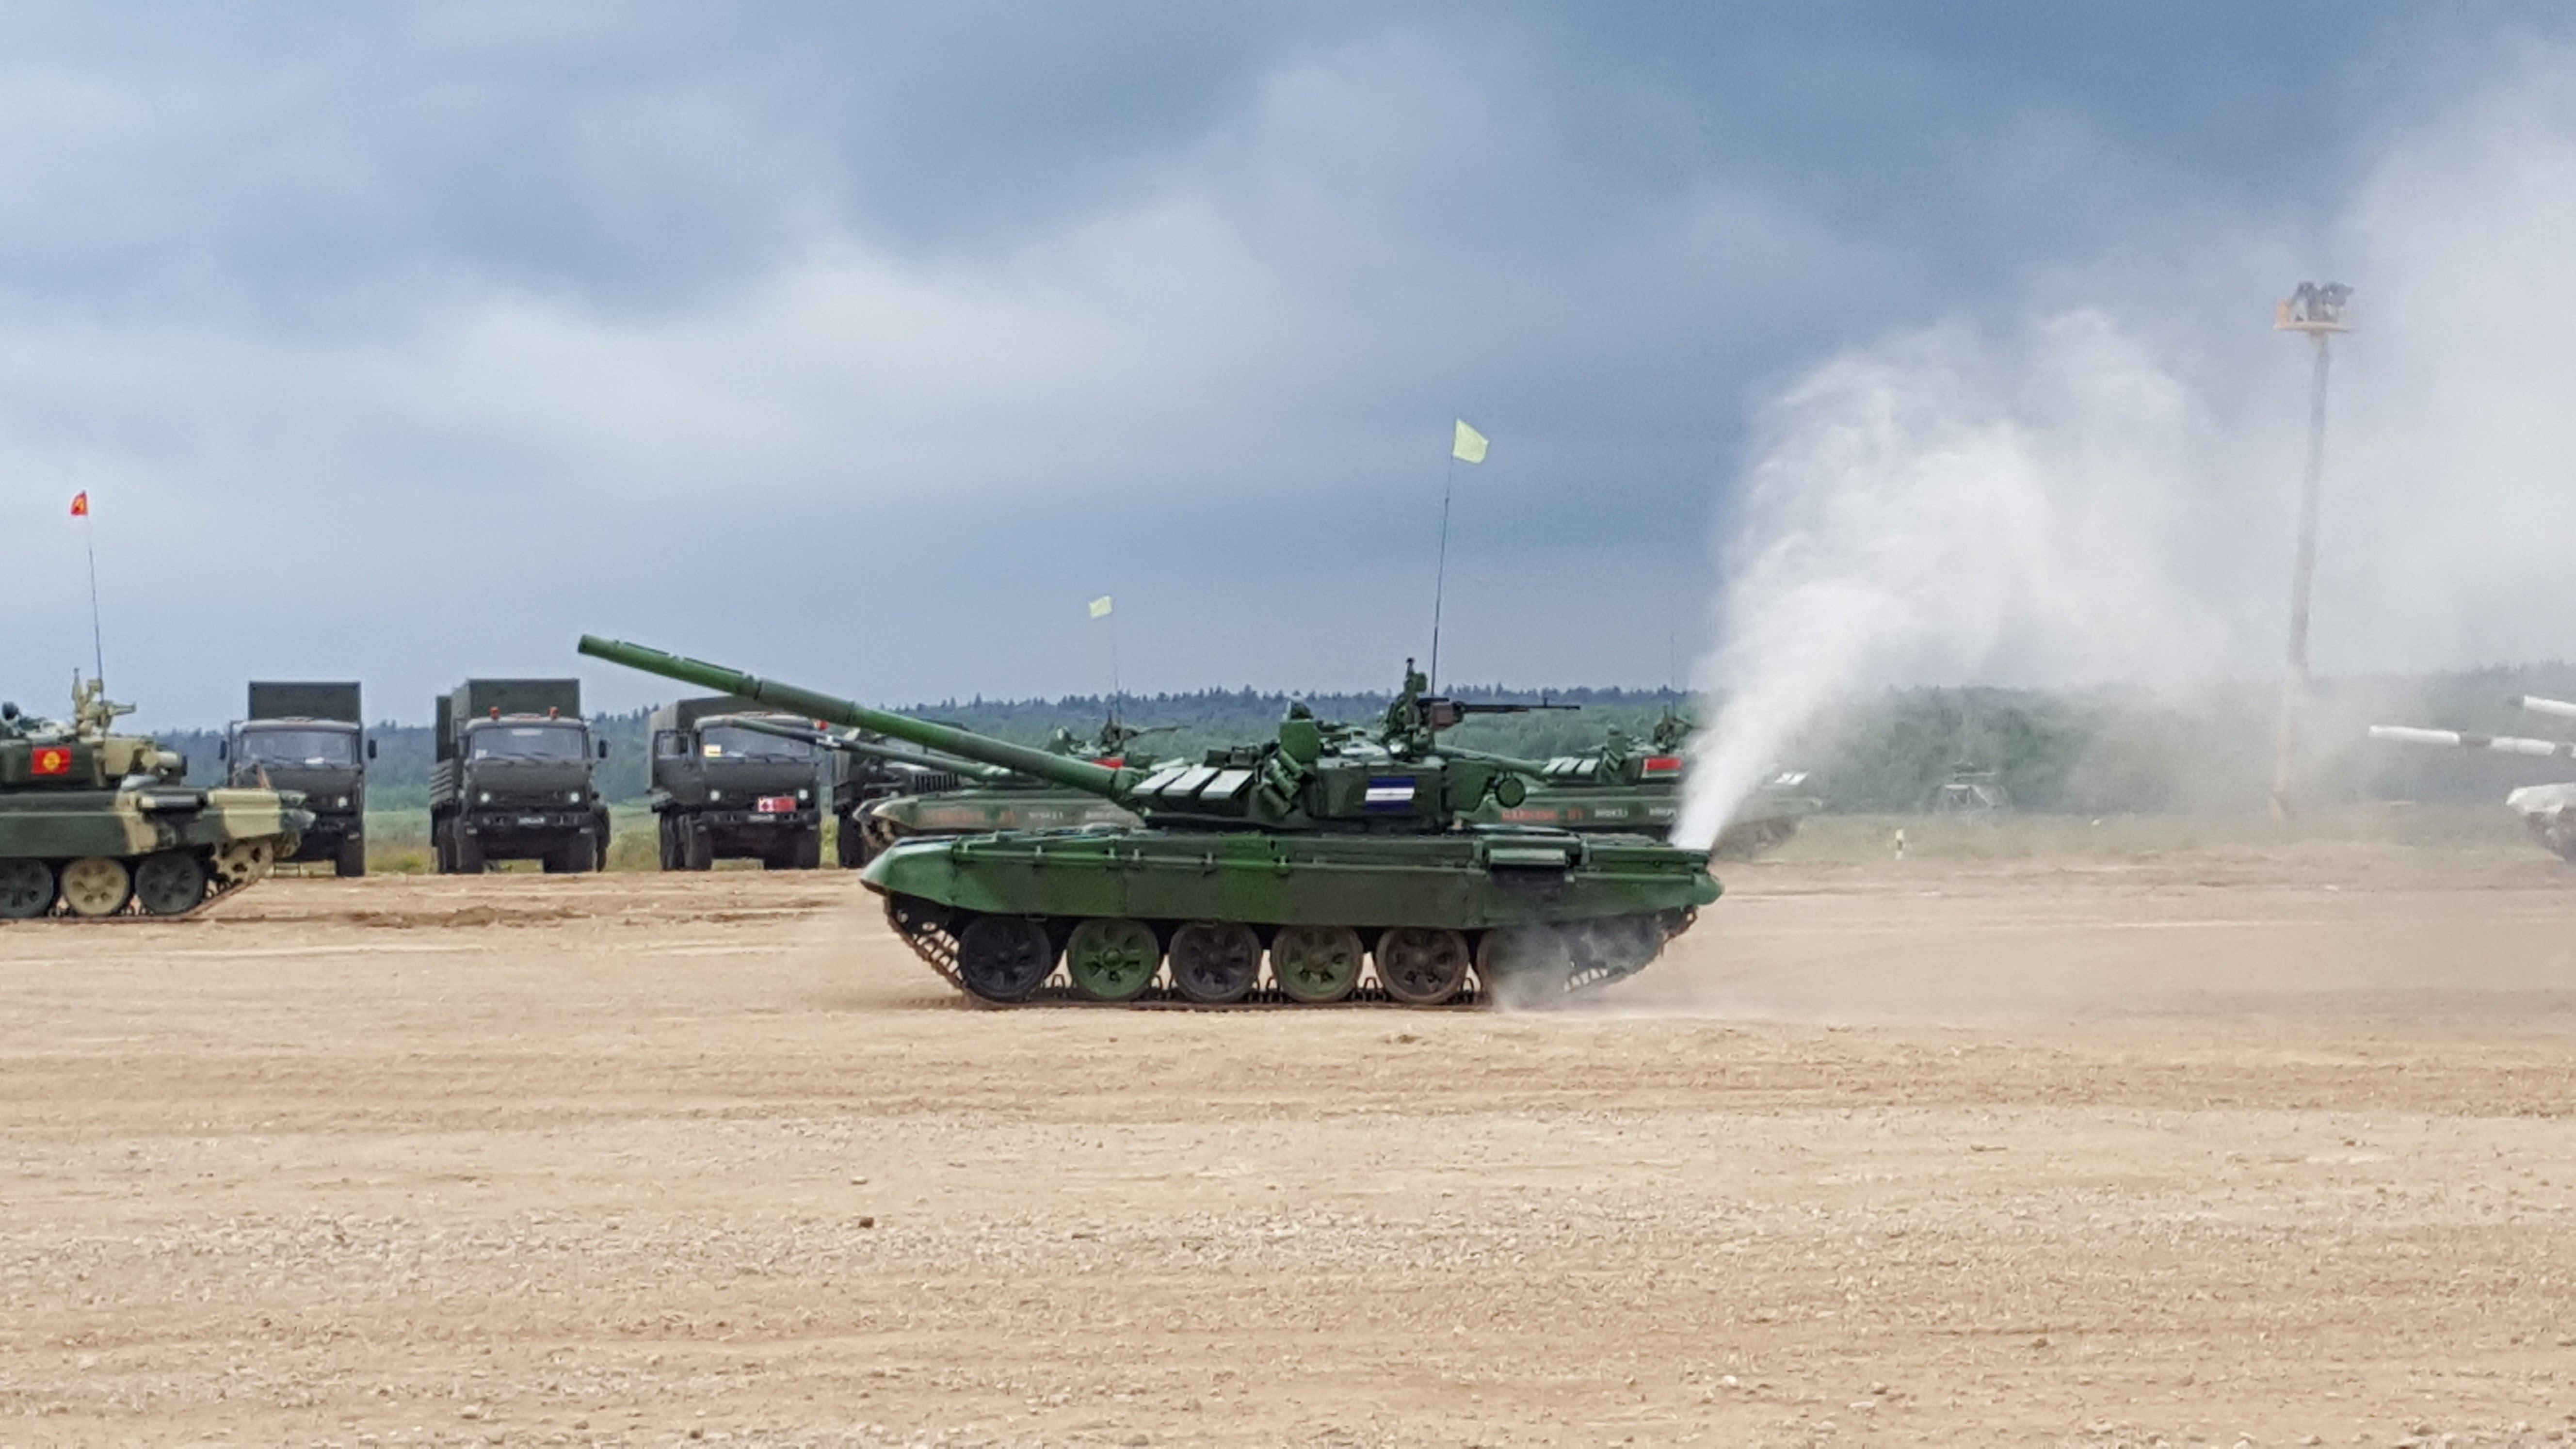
(308,736)
(1970,790)
(2548,810)
(1618,789)
(512,779)
(97,825)
(724,789)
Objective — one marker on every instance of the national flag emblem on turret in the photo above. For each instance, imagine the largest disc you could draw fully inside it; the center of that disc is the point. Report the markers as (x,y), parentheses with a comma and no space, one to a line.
(50,760)
(80,504)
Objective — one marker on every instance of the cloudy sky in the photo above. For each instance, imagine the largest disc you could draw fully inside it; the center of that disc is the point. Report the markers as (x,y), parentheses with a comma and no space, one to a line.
(863,344)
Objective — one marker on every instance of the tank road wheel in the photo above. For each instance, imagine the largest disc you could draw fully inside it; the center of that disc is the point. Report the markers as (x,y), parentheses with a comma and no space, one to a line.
(1316,963)
(1606,950)
(241,862)
(26,889)
(97,886)
(1004,958)
(1421,965)
(170,883)
(1112,960)
(1215,963)
(1525,966)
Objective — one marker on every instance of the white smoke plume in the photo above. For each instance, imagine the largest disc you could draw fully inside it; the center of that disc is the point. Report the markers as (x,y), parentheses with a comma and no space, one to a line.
(1934,504)
(2094,497)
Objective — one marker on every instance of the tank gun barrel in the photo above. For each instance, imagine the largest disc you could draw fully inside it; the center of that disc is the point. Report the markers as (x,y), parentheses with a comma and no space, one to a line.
(2500,744)
(1065,770)
(1442,712)
(1535,769)
(2564,709)
(849,745)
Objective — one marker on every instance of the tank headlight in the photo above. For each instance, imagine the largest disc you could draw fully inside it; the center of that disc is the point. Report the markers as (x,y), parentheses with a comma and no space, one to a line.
(483,799)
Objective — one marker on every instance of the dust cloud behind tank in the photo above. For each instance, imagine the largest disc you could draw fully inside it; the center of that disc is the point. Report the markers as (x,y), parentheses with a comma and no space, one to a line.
(1329,863)
(96,825)
(2549,811)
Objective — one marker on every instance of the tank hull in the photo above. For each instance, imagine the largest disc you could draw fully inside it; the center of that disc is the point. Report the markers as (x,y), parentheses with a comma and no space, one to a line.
(1608,902)
(233,836)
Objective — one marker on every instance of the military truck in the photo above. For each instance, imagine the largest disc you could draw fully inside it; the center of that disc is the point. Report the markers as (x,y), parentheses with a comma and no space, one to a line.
(512,778)
(308,736)
(723,789)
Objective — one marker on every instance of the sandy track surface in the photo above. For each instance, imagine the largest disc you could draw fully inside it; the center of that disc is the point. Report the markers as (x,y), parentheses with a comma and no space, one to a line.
(2195,1149)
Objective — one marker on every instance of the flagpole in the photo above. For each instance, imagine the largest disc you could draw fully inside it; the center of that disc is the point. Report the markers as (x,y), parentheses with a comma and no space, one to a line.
(97,648)
(1440,577)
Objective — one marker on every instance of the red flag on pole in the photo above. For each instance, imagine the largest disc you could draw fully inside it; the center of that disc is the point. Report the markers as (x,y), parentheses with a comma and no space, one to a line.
(80,504)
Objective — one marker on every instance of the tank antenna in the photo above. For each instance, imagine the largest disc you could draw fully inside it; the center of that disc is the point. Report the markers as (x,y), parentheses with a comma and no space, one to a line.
(89,543)
(1105,607)
(1466,445)
(2316,308)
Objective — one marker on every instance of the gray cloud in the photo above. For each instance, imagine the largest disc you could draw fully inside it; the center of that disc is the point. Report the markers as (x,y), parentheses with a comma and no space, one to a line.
(865,344)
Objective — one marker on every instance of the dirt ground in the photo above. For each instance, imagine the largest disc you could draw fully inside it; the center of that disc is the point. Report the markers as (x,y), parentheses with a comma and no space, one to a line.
(2203,1147)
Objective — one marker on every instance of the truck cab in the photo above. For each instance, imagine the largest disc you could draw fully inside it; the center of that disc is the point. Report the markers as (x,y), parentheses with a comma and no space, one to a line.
(515,782)
(307,737)
(722,790)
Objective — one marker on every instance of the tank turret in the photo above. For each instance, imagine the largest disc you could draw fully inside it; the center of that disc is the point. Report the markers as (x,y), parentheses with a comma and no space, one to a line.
(1341,856)
(1312,777)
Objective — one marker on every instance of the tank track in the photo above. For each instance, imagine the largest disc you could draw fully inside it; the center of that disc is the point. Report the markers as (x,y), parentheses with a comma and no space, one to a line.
(926,929)
(222,884)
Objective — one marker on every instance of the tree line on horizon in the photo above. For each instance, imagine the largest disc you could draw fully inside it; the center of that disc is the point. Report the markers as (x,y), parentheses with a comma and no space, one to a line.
(2108,750)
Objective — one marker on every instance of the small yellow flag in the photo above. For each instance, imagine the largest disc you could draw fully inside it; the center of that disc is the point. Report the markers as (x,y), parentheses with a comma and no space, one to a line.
(1100,607)
(1469,447)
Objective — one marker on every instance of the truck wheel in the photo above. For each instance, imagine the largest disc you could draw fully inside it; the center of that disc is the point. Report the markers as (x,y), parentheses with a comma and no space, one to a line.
(852,847)
(573,857)
(352,860)
(670,846)
(808,851)
(440,848)
(697,847)
(465,851)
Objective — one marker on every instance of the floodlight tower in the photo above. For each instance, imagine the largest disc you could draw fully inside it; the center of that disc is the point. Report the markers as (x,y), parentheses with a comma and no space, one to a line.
(2316,309)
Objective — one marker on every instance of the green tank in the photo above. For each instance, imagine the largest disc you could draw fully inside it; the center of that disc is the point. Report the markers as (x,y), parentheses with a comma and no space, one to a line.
(1622,789)
(98,825)
(1338,855)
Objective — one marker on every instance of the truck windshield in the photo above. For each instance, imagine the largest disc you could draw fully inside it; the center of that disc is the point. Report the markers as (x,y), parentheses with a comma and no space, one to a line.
(299,747)
(530,742)
(732,742)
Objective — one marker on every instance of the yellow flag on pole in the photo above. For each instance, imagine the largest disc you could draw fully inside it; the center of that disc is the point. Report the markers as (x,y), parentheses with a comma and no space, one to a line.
(1100,607)
(1469,445)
